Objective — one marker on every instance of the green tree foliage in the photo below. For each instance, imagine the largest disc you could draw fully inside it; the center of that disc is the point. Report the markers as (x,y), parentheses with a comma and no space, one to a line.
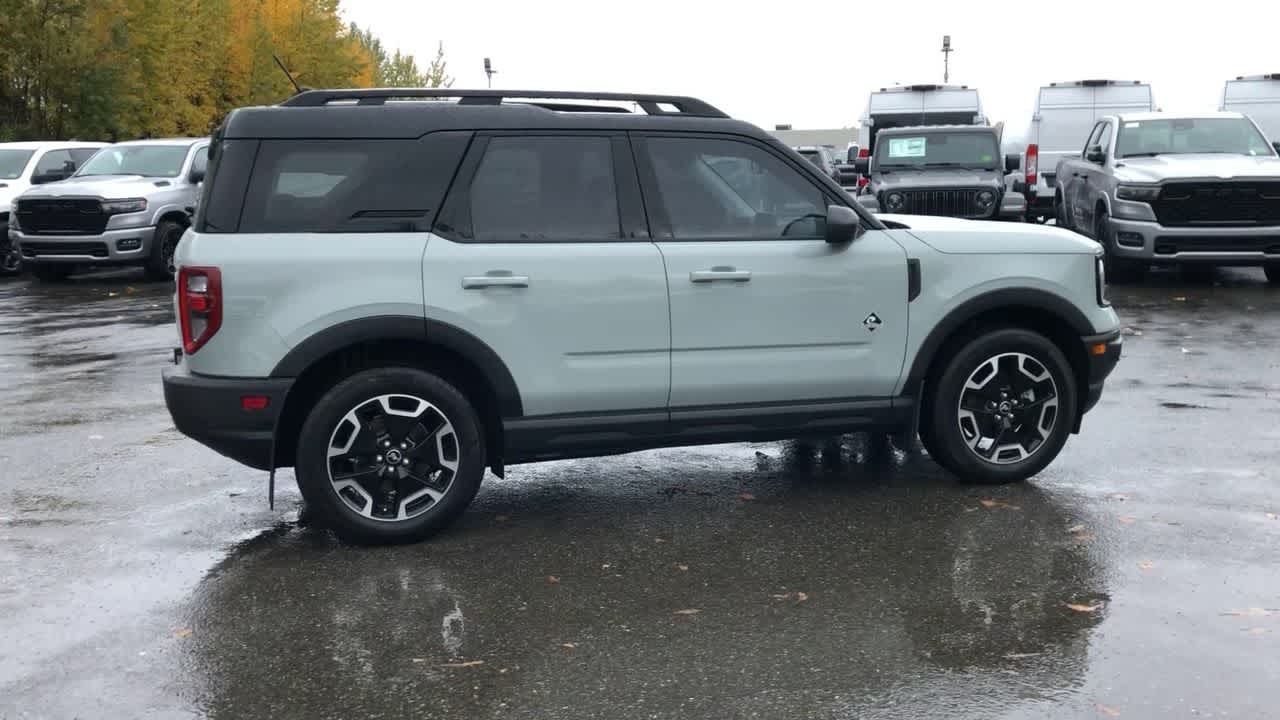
(119,69)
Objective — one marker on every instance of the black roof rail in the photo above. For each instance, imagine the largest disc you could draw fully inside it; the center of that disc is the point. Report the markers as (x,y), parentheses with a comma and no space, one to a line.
(651,104)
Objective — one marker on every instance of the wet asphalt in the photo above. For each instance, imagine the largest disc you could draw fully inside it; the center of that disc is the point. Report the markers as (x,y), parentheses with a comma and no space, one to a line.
(143,576)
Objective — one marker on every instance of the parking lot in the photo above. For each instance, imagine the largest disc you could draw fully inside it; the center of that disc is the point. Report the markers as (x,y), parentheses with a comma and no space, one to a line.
(142,575)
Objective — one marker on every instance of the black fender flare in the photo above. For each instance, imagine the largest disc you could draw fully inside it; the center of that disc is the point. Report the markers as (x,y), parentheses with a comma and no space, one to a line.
(1010,298)
(405,327)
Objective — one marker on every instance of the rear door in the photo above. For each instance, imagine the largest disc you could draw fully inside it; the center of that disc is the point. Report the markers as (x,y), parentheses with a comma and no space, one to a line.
(763,309)
(541,252)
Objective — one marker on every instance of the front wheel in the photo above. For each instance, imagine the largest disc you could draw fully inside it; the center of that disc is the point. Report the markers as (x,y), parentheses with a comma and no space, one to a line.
(1061,218)
(1002,408)
(1118,269)
(163,248)
(10,260)
(1273,274)
(390,455)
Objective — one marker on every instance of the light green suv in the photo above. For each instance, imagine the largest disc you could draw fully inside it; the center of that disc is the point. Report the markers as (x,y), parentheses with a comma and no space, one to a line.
(514,277)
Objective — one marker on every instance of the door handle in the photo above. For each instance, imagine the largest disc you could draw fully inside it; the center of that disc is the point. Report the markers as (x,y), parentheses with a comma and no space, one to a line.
(720,273)
(495,278)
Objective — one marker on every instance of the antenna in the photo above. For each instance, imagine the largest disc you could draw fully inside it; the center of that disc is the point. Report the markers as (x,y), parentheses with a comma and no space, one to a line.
(286,72)
(489,71)
(946,59)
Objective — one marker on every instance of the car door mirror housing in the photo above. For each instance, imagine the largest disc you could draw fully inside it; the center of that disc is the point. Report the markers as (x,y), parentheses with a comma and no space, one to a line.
(48,177)
(196,177)
(1276,145)
(1012,162)
(862,165)
(843,224)
(1096,155)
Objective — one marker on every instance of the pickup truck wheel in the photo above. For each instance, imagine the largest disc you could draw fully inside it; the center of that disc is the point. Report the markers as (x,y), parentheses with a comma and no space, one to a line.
(49,272)
(1273,274)
(163,247)
(1002,407)
(1118,269)
(390,455)
(10,261)
(1061,217)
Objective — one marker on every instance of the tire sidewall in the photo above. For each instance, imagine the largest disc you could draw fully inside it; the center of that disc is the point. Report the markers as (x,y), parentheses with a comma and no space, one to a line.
(157,265)
(311,465)
(955,454)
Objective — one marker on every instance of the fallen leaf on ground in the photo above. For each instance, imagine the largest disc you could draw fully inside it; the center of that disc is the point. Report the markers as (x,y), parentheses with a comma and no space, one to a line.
(781,596)
(419,660)
(182,633)
(746,496)
(1076,529)
(553,579)
(1019,656)
(501,518)
(1084,608)
(112,294)
(1126,519)
(1146,564)
(1084,537)
(569,646)
(605,566)
(682,567)
(129,291)
(687,611)
(503,671)
(801,597)
(989,504)
(1251,612)
(1108,711)
(659,540)
(469,663)
(1118,496)
(1179,298)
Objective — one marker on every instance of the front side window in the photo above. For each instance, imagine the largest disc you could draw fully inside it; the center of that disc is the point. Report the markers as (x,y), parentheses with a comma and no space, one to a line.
(144,160)
(55,162)
(545,189)
(1093,138)
(713,188)
(938,149)
(13,162)
(1182,136)
(1104,140)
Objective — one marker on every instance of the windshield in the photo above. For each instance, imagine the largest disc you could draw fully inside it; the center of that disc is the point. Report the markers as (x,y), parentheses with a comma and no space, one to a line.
(938,149)
(1178,136)
(145,160)
(13,162)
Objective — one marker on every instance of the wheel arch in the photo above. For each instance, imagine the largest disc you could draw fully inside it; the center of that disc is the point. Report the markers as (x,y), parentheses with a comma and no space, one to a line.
(339,351)
(1040,311)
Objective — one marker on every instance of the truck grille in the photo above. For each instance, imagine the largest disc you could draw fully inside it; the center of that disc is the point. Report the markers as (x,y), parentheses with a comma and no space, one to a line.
(93,249)
(1218,203)
(1269,244)
(951,203)
(61,216)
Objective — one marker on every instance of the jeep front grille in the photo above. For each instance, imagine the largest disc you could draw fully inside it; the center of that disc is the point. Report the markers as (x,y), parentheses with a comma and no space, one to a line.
(951,203)
(1218,203)
(61,216)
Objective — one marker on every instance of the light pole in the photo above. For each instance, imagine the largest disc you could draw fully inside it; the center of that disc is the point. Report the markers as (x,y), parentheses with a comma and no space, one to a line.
(489,71)
(946,59)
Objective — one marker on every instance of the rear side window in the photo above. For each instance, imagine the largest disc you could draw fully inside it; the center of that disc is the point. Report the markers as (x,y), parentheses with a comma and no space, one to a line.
(545,189)
(320,186)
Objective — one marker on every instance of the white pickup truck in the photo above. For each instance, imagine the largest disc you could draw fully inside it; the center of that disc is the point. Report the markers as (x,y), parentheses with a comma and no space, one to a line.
(24,164)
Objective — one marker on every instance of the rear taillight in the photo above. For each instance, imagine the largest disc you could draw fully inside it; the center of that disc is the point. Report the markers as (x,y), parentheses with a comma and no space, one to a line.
(199,305)
(1033,163)
(864,152)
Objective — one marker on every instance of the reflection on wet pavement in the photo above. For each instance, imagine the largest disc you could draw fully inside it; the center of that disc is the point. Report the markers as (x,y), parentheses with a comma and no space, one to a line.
(828,578)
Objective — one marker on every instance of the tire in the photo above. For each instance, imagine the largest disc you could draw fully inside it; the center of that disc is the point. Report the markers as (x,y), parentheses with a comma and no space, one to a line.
(1273,274)
(10,261)
(1030,370)
(393,393)
(1119,270)
(1061,217)
(163,246)
(49,272)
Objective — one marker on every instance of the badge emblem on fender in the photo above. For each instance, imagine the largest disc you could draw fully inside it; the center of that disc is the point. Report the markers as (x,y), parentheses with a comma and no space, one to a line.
(872,322)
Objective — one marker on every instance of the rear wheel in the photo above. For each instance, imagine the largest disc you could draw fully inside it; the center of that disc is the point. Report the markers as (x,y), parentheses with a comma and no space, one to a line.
(1118,269)
(1273,274)
(390,455)
(1061,216)
(48,272)
(1001,409)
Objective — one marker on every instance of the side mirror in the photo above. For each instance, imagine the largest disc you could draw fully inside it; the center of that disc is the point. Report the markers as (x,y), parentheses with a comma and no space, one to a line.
(843,224)
(1012,162)
(48,177)
(862,165)
(1276,145)
(869,202)
(196,177)
(1095,155)
(851,155)
(1020,186)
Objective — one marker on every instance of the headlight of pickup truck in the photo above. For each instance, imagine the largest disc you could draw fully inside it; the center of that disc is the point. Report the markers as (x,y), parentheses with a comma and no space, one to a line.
(120,207)
(1100,273)
(1138,193)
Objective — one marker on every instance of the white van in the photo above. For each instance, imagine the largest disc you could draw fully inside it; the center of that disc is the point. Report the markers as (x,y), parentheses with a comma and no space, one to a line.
(916,105)
(1257,96)
(1065,113)
(23,164)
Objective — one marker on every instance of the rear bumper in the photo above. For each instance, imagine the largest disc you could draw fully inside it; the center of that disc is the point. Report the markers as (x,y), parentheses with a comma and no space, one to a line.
(101,249)
(209,411)
(1100,364)
(1155,243)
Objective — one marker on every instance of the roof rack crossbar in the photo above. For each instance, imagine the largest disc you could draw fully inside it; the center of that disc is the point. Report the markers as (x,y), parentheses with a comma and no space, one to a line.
(651,104)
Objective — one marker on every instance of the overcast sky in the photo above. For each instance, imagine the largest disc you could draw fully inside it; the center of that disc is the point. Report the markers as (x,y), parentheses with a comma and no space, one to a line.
(811,63)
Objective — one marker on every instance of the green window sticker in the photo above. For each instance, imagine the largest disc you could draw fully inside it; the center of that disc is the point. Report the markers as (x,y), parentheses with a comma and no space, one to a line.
(909,147)
(986,158)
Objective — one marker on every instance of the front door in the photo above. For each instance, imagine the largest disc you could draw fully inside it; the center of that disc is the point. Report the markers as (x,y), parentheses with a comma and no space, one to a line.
(763,309)
(540,252)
